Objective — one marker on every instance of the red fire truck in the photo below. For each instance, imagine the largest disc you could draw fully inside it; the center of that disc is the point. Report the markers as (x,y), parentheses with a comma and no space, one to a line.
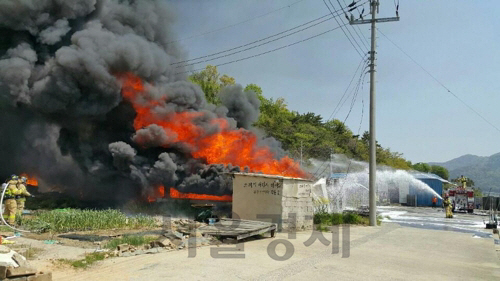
(462,200)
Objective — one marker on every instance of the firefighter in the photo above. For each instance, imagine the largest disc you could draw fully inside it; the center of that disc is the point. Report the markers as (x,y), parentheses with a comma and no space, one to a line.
(447,206)
(10,200)
(21,197)
(463,181)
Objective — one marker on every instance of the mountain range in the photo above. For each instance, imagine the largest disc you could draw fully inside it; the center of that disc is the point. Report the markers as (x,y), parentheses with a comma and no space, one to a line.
(483,170)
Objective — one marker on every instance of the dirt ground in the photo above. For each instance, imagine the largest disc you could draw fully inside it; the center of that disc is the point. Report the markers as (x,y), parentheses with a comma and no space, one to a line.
(389,252)
(393,251)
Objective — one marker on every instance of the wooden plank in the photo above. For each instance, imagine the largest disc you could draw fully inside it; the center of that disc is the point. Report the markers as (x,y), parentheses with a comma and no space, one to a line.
(238,228)
(256,232)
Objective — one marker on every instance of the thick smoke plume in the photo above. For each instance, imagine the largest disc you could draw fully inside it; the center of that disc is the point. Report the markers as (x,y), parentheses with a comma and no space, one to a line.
(91,104)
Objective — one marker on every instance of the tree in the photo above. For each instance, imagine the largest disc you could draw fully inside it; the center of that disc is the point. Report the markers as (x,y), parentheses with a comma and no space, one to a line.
(317,137)
(478,192)
(211,83)
(257,90)
(440,171)
(422,167)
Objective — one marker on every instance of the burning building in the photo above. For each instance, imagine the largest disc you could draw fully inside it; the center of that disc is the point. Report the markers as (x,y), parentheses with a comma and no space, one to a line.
(91,101)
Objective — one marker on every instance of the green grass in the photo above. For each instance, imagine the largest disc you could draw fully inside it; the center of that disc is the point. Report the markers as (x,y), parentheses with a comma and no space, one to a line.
(322,228)
(65,220)
(322,220)
(134,240)
(87,261)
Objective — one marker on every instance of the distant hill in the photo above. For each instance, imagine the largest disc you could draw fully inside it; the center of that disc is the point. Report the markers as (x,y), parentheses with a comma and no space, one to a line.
(484,171)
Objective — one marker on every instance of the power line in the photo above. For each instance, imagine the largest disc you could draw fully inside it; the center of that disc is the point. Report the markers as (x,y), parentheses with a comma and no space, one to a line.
(327,16)
(348,38)
(440,83)
(235,24)
(267,52)
(268,37)
(339,105)
(364,39)
(249,48)
(362,42)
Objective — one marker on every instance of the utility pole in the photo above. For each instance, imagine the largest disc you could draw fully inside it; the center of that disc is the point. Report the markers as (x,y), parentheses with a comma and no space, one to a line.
(373,144)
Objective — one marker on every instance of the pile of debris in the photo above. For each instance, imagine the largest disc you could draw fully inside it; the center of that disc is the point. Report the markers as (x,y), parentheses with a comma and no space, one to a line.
(14,266)
(168,241)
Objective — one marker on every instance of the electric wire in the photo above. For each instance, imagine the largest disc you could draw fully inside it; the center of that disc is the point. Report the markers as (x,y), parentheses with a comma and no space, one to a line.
(235,24)
(351,27)
(361,14)
(440,83)
(341,103)
(266,52)
(322,18)
(348,38)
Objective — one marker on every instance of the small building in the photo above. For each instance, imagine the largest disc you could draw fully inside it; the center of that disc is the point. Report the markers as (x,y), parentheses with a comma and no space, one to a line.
(423,198)
(273,198)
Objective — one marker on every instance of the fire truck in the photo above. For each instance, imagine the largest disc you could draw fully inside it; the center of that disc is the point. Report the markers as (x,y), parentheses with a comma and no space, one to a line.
(462,199)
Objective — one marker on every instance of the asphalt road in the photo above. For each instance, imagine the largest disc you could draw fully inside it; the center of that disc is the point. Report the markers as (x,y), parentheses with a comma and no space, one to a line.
(397,250)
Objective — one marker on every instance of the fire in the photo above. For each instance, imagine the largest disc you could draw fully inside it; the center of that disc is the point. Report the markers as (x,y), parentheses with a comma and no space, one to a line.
(159,192)
(227,146)
(32,181)
(174,193)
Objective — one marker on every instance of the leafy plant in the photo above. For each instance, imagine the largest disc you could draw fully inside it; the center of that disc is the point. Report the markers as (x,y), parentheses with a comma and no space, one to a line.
(65,220)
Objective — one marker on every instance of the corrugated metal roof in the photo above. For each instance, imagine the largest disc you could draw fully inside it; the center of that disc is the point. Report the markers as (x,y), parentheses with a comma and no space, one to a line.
(420,175)
(269,176)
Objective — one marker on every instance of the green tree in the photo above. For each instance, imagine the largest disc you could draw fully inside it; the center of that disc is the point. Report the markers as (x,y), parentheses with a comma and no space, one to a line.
(318,138)
(422,167)
(440,171)
(257,90)
(478,192)
(211,82)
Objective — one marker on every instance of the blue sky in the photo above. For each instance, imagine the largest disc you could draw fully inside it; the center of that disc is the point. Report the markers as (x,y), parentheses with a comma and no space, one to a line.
(456,40)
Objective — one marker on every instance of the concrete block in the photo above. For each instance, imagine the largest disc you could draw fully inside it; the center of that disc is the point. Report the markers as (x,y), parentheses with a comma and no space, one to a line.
(3,272)
(41,276)
(20,271)
(162,242)
(20,260)
(123,247)
(4,249)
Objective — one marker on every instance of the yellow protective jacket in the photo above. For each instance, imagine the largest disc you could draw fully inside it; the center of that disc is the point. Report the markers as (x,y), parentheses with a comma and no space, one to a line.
(12,190)
(446,202)
(23,193)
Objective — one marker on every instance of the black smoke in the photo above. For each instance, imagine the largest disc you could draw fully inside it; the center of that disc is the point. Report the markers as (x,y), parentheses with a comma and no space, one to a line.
(63,115)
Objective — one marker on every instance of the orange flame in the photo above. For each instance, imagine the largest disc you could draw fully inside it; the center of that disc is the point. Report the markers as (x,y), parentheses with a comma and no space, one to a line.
(227,146)
(32,181)
(159,192)
(174,193)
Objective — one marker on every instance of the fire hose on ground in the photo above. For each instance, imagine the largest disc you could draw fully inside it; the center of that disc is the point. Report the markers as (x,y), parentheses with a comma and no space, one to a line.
(1,212)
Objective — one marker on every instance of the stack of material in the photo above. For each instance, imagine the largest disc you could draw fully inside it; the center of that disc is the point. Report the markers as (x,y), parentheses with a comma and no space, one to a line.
(13,266)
